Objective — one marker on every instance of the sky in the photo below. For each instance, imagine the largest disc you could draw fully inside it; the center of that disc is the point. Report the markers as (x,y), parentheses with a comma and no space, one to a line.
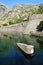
(11,3)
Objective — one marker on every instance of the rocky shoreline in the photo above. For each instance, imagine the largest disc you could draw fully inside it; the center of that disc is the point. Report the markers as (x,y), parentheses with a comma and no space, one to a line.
(25,27)
(37,34)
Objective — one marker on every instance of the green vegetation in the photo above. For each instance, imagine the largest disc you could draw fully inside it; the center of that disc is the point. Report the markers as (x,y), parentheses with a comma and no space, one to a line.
(40,10)
(18,20)
(25,11)
(41,24)
(5,24)
(11,22)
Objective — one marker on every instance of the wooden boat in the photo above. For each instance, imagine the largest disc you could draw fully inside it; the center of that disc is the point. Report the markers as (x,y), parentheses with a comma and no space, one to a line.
(27,49)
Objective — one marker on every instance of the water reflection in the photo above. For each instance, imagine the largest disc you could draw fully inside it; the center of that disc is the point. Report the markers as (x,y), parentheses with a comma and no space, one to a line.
(10,54)
(12,57)
(9,41)
(40,43)
(36,41)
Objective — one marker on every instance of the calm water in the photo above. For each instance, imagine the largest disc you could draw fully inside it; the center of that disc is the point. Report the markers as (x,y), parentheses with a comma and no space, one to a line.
(11,55)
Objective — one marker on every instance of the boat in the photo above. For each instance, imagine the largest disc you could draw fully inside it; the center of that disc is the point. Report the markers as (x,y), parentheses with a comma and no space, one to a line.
(27,49)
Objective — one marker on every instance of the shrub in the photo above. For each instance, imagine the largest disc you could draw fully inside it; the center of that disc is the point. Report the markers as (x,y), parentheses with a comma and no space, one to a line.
(5,24)
(41,24)
(40,10)
(11,22)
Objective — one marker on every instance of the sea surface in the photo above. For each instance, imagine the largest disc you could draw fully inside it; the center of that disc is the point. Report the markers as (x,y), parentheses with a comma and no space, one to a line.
(11,55)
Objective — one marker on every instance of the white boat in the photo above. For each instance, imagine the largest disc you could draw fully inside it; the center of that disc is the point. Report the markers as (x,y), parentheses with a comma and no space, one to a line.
(27,49)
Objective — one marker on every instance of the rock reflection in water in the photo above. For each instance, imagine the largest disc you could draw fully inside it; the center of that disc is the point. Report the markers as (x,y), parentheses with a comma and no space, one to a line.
(40,43)
(12,57)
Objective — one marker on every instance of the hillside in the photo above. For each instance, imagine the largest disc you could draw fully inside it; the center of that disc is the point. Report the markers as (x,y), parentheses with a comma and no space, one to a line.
(33,23)
(25,27)
(22,18)
(3,9)
(18,14)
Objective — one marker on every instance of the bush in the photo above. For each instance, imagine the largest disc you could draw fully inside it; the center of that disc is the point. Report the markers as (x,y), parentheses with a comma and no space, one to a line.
(5,24)
(41,25)
(10,22)
(40,9)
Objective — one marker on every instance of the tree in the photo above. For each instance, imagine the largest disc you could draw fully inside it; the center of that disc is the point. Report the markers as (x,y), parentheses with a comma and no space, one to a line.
(40,10)
(41,25)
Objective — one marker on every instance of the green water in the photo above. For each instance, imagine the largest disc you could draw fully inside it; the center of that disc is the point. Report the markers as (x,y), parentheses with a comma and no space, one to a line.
(8,42)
